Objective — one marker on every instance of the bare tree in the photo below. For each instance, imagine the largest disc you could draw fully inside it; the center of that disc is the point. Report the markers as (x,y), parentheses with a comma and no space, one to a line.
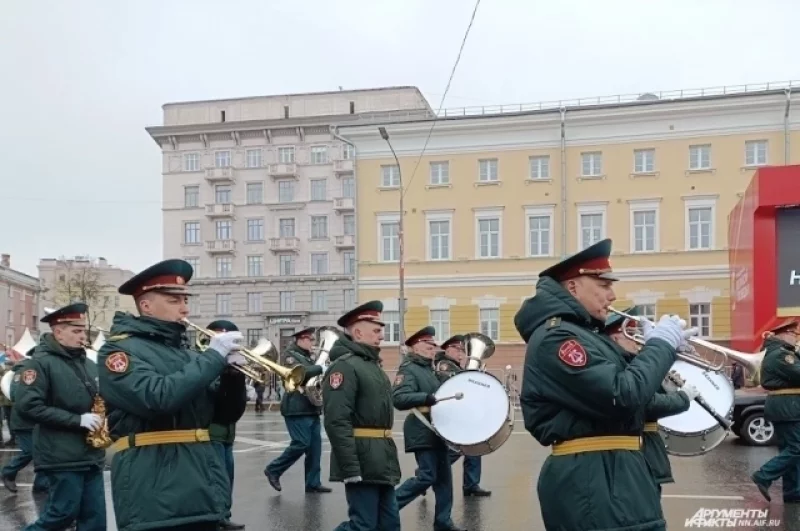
(82,282)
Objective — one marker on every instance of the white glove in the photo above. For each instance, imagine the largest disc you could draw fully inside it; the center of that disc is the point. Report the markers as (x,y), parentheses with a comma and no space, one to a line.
(226,342)
(235,358)
(691,391)
(90,421)
(647,328)
(356,479)
(669,329)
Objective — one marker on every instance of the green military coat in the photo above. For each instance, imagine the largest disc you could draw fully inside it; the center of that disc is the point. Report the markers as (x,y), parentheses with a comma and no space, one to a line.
(297,404)
(150,383)
(57,387)
(414,383)
(230,403)
(781,370)
(17,421)
(664,404)
(358,394)
(577,384)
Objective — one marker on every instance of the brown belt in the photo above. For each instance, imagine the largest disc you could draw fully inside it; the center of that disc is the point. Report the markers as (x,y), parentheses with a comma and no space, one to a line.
(598,444)
(154,438)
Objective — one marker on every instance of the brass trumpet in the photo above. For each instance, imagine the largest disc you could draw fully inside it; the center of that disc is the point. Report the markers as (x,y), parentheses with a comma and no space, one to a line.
(292,378)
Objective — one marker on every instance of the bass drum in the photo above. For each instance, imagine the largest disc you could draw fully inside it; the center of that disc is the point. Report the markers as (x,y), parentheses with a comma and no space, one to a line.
(5,384)
(481,421)
(695,432)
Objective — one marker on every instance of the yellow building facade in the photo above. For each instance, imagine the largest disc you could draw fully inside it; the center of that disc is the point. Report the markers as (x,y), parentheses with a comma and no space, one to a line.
(495,199)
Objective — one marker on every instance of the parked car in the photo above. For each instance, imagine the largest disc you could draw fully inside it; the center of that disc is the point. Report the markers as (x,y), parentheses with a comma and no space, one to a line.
(748,417)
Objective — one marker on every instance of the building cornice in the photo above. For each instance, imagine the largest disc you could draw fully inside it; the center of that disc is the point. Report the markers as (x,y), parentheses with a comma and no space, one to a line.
(528,279)
(17,278)
(244,281)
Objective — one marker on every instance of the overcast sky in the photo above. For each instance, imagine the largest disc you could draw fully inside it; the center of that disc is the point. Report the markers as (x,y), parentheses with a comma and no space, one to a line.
(82,79)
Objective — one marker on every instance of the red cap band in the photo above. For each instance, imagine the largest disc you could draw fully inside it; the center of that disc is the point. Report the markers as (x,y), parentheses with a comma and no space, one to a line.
(369,315)
(68,317)
(162,282)
(595,266)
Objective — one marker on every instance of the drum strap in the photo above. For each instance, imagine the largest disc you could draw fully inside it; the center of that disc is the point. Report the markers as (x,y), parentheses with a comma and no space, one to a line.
(790,391)
(651,427)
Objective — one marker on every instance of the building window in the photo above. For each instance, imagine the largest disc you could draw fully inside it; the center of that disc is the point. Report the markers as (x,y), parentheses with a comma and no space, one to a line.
(440,173)
(648,311)
(349,224)
(255,230)
(255,266)
(487,171)
(253,158)
(224,230)
(319,301)
(644,160)
(439,235)
(348,151)
(349,259)
(591,224)
(490,324)
(319,227)
(540,167)
(755,153)
(390,176)
(592,164)
(700,317)
(319,155)
(644,226)
(254,302)
(191,196)
(349,299)
(286,155)
(253,335)
(700,157)
(286,226)
(319,263)
(224,267)
(223,303)
(255,193)
(540,231)
(191,232)
(348,187)
(222,194)
(222,159)
(391,333)
(286,263)
(318,189)
(285,191)
(440,320)
(389,238)
(700,215)
(191,162)
(489,239)
(286,301)
(195,263)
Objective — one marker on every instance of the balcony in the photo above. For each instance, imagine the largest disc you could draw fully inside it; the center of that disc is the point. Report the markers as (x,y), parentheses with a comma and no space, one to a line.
(347,241)
(220,210)
(282,170)
(343,166)
(282,245)
(221,246)
(219,175)
(344,204)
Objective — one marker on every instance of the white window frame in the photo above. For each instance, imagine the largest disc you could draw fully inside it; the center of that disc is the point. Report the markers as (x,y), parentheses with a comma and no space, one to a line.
(438,215)
(647,155)
(381,219)
(591,208)
(695,320)
(440,177)
(645,205)
(700,166)
(326,263)
(391,306)
(257,159)
(390,176)
(483,214)
(595,159)
(195,164)
(286,155)
(539,163)
(319,300)
(441,333)
(223,304)
(539,211)
(255,302)
(754,144)
(700,202)
(491,176)
(318,155)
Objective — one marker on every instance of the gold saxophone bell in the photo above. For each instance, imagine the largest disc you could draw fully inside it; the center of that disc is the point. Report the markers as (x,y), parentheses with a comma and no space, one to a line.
(257,357)
(99,438)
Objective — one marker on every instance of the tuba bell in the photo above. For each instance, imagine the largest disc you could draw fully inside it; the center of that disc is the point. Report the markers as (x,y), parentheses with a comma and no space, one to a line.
(478,348)
(325,338)
(5,384)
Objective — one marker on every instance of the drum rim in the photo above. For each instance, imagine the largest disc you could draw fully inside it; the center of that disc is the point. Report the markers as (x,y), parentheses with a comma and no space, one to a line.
(712,429)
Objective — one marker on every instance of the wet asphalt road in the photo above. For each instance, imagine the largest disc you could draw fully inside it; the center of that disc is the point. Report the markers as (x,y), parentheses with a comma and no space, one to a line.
(718,480)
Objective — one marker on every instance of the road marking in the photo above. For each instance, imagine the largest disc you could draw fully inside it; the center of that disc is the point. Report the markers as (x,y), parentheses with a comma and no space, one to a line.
(702,497)
(10,450)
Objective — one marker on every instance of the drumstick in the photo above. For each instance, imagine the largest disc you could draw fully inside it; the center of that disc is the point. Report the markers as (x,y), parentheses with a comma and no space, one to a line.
(457,396)
(677,380)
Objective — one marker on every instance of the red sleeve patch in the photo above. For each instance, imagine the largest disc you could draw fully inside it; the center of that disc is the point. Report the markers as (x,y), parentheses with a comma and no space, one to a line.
(336,380)
(572,353)
(29,376)
(117,362)
(399,378)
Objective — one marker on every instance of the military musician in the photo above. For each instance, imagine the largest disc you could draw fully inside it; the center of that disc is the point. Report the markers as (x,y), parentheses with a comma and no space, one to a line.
(57,389)
(414,388)
(302,420)
(780,376)
(583,398)
(358,413)
(165,472)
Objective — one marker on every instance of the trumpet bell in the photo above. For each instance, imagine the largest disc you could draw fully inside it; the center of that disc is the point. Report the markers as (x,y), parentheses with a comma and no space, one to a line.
(478,347)
(5,384)
(326,337)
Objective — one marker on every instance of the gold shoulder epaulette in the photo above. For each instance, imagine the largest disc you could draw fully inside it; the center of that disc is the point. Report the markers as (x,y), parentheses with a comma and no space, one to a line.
(119,337)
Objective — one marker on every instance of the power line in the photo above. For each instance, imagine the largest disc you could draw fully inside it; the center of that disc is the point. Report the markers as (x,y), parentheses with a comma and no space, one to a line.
(444,95)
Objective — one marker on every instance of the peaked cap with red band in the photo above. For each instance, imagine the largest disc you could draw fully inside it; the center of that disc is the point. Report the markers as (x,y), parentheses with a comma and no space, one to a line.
(614,321)
(221,325)
(369,311)
(592,261)
(458,338)
(170,276)
(305,332)
(73,314)
(778,325)
(426,334)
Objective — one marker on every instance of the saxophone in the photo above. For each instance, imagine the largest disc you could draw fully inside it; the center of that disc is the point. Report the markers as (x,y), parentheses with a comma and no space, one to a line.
(99,438)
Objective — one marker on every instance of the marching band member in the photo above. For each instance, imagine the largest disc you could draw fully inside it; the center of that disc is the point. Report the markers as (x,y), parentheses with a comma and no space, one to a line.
(302,420)
(165,473)
(231,390)
(668,401)
(58,388)
(780,376)
(414,387)
(582,397)
(358,411)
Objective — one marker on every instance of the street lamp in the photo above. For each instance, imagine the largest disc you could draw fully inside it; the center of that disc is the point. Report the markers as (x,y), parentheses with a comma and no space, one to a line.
(402,302)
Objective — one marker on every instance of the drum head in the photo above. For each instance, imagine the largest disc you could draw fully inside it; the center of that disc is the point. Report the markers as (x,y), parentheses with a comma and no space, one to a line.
(476,417)
(714,387)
